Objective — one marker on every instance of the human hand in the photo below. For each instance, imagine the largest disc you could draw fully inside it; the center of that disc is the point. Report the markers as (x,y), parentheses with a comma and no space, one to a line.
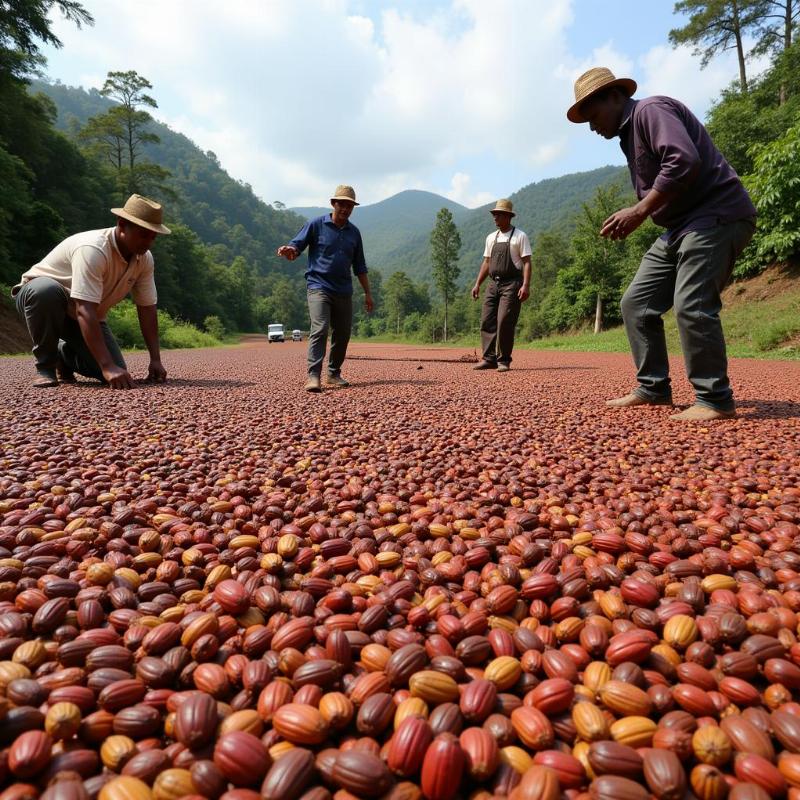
(622,223)
(369,305)
(288,252)
(156,372)
(476,290)
(524,292)
(118,378)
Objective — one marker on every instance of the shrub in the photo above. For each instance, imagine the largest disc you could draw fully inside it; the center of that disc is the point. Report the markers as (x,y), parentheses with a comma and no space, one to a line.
(172,333)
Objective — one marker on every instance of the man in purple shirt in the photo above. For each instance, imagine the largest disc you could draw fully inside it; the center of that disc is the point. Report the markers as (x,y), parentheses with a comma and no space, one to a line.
(685,185)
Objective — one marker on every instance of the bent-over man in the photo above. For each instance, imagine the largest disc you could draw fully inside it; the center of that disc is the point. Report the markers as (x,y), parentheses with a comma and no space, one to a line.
(334,249)
(685,185)
(507,264)
(64,299)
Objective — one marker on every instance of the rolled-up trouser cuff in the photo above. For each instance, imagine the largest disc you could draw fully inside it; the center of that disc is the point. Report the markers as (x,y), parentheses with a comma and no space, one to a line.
(652,397)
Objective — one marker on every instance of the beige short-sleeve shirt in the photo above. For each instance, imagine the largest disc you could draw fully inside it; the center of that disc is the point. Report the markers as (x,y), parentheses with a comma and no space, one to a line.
(90,267)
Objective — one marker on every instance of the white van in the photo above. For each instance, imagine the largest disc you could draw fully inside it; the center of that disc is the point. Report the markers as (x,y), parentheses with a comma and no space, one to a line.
(275,332)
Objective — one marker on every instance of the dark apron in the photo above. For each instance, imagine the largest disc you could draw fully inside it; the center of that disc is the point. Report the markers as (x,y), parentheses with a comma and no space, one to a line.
(501,265)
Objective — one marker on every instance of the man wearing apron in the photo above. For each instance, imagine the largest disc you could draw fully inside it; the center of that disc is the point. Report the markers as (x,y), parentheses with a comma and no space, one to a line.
(507,264)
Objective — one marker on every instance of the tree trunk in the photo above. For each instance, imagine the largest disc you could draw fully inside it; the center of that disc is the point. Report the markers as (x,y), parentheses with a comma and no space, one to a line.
(737,32)
(444,336)
(787,43)
(598,314)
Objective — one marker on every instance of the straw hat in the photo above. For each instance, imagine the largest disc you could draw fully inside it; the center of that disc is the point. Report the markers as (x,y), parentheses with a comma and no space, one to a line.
(591,82)
(142,212)
(505,207)
(345,192)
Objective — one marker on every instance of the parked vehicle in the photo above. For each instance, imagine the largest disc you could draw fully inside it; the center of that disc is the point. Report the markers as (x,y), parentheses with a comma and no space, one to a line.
(297,336)
(275,332)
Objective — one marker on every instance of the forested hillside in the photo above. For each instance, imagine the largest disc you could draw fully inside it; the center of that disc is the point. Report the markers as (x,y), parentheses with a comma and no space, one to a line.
(222,211)
(397,230)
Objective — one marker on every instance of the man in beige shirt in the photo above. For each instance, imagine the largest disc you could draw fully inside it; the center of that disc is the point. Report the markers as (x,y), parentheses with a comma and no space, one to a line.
(64,299)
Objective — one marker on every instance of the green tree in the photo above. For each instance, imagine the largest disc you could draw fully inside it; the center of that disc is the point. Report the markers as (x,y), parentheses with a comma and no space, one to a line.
(775,188)
(597,258)
(24,24)
(122,132)
(716,26)
(399,298)
(445,245)
(777,26)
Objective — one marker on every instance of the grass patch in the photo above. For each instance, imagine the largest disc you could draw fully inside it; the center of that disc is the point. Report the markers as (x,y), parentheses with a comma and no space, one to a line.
(172,333)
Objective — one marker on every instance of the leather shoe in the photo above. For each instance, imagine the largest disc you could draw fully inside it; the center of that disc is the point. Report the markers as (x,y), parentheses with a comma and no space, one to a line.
(698,413)
(634,399)
(337,380)
(503,368)
(45,378)
(313,384)
(485,365)
(65,374)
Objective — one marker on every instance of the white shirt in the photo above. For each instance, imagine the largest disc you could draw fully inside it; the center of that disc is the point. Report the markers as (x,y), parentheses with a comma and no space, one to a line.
(90,267)
(520,245)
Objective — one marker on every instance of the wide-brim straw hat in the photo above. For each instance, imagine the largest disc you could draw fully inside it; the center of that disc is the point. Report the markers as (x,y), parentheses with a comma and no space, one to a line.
(504,207)
(593,81)
(345,192)
(143,212)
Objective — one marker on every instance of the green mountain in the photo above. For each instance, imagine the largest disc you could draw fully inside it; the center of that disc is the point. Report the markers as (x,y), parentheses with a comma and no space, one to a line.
(223,212)
(546,205)
(395,226)
(397,230)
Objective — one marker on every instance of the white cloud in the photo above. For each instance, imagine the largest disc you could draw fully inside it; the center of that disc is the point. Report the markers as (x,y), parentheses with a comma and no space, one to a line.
(295,97)
(676,72)
(462,192)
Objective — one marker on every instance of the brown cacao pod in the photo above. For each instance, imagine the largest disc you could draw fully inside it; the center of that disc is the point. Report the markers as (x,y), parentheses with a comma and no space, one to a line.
(300,724)
(442,768)
(29,754)
(408,745)
(664,774)
(196,720)
(481,751)
(241,757)
(361,773)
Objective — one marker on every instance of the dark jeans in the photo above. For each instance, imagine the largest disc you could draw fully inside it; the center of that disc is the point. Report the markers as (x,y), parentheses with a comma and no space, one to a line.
(689,274)
(42,303)
(501,305)
(328,311)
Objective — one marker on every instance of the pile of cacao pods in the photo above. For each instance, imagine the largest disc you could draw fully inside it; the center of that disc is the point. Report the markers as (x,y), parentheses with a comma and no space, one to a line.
(398,617)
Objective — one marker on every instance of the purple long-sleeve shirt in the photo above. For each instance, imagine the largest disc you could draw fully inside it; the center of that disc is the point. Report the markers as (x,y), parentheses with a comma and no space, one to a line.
(668,149)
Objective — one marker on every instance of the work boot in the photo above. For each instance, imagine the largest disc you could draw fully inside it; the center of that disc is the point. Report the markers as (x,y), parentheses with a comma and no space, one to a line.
(45,378)
(634,399)
(313,383)
(503,367)
(485,365)
(337,381)
(698,413)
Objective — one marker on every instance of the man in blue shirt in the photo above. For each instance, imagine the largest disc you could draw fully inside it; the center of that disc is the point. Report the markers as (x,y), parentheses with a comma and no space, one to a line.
(334,248)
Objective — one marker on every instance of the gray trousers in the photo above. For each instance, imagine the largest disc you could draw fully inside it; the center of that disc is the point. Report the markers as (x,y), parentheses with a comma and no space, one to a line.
(689,275)
(334,312)
(499,315)
(42,303)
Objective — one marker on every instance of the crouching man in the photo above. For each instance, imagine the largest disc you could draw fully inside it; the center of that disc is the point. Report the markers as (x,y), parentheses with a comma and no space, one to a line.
(64,299)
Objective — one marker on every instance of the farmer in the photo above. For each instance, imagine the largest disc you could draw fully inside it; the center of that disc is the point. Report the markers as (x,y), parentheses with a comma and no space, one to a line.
(685,185)
(64,299)
(507,262)
(334,249)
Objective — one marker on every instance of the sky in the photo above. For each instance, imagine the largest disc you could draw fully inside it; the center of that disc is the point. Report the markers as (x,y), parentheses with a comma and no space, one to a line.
(466,98)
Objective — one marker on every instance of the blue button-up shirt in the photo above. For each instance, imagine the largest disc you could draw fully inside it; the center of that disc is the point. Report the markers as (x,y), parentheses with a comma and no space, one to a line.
(332,253)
